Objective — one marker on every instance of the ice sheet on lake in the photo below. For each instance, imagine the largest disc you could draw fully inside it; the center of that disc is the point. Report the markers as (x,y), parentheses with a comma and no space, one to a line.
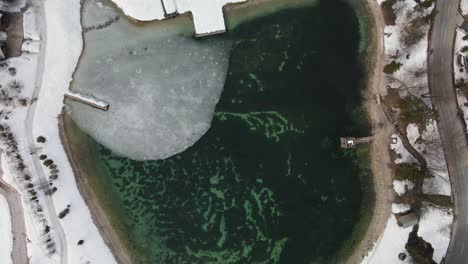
(162,86)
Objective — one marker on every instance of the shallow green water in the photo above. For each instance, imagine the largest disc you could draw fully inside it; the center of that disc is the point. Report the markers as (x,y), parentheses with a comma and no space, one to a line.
(268,182)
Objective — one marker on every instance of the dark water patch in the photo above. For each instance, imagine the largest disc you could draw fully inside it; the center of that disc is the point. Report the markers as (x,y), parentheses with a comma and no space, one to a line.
(268,182)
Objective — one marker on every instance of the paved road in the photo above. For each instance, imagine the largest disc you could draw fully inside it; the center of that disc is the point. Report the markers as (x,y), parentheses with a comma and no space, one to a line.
(20,251)
(450,127)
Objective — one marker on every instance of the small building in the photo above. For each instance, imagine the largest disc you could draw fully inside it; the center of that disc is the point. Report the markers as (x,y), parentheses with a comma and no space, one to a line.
(407,220)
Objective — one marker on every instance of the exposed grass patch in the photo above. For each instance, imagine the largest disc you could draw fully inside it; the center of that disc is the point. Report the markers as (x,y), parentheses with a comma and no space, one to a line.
(392,67)
(437,199)
(409,172)
(464,49)
(465,37)
(414,110)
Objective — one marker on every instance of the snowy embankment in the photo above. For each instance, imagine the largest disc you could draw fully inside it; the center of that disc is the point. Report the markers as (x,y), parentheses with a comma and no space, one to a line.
(207,15)
(17,79)
(464,7)
(51,238)
(63,49)
(460,68)
(409,78)
(6,235)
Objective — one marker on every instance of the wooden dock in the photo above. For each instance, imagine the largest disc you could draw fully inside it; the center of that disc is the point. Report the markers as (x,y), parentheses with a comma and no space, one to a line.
(352,142)
(88,100)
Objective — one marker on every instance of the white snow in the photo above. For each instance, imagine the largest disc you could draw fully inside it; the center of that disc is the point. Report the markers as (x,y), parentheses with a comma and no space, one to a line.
(31,24)
(401,187)
(403,155)
(435,228)
(460,67)
(430,147)
(142,10)
(6,235)
(31,46)
(390,244)
(26,69)
(411,79)
(464,7)
(207,14)
(463,104)
(400,208)
(63,49)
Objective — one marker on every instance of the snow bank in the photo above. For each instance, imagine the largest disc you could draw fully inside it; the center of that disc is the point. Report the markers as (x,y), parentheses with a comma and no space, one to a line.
(435,228)
(430,147)
(207,14)
(6,235)
(464,7)
(24,76)
(400,208)
(142,10)
(412,75)
(403,155)
(401,187)
(31,24)
(460,67)
(64,43)
(463,104)
(391,243)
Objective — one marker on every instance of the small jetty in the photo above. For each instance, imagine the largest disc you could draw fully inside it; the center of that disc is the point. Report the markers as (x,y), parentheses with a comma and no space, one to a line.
(352,142)
(87,100)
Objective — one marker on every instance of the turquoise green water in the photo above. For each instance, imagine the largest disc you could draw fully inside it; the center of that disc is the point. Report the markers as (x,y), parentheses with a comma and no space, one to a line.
(268,182)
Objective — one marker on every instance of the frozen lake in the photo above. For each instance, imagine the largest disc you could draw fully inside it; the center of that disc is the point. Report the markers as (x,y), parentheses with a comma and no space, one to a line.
(161,83)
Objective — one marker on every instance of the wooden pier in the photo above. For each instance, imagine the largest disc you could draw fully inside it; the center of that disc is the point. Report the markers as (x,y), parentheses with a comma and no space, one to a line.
(352,142)
(88,100)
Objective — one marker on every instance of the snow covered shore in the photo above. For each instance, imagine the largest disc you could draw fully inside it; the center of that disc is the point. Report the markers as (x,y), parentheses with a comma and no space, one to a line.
(406,77)
(63,33)
(58,223)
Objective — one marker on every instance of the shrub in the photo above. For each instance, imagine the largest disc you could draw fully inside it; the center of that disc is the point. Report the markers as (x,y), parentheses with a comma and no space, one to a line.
(43,157)
(464,49)
(408,172)
(64,212)
(80,242)
(41,139)
(48,162)
(420,250)
(414,110)
(392,67)
(12,71)
(465,37)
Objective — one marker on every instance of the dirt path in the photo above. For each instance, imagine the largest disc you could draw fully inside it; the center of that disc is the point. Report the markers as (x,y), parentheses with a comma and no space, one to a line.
(382,131)
(20,252)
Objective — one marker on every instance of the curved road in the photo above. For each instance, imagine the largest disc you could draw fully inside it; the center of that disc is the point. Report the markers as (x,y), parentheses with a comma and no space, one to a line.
(440,65)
